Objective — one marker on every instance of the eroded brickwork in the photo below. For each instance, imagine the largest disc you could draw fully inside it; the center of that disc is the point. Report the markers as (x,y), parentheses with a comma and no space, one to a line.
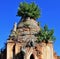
(22,42)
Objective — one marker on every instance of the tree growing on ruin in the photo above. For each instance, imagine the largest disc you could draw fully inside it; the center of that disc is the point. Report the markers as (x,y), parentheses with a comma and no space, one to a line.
(28,10)
(45,34)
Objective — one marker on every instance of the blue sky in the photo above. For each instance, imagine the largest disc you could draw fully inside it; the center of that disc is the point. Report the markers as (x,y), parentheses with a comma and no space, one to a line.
(50,15)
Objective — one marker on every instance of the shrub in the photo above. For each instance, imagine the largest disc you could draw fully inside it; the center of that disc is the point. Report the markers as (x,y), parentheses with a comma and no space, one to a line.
(45,35)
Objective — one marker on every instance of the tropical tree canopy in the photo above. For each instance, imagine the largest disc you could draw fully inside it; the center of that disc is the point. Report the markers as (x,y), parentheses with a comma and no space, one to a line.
(45,34)
(28,10)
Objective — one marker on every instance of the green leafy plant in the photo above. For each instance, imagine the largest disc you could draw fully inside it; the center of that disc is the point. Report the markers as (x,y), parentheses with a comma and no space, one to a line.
(38,23)
(26,25)
(45,35)
(28,10)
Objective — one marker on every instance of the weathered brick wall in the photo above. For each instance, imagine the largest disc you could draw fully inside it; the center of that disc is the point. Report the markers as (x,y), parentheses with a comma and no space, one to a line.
(23,37)
(45,51)
(55,55)
(10,45)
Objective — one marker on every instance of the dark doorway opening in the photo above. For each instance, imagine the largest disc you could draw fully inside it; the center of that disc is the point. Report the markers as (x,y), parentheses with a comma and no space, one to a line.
(14,52)
(20,55)
(32,56)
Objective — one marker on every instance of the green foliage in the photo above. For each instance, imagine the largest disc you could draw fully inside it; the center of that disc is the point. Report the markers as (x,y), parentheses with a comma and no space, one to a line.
(26,25)
(38,23)
(46,35)
(28,10)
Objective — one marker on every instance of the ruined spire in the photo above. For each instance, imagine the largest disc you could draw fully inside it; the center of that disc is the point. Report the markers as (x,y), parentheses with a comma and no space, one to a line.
(15,26)
(13,32)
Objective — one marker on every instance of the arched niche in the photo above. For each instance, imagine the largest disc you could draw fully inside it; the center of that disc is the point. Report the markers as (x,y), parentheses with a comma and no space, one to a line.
(20,55)
(32,56)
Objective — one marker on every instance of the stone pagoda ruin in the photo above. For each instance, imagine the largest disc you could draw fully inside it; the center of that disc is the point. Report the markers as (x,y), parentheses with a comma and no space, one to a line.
(22,42)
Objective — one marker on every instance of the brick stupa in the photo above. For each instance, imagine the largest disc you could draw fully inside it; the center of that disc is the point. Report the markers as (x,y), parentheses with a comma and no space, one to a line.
(22,42)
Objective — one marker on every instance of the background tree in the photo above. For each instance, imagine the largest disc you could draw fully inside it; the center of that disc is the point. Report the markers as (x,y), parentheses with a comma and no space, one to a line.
(28,10)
